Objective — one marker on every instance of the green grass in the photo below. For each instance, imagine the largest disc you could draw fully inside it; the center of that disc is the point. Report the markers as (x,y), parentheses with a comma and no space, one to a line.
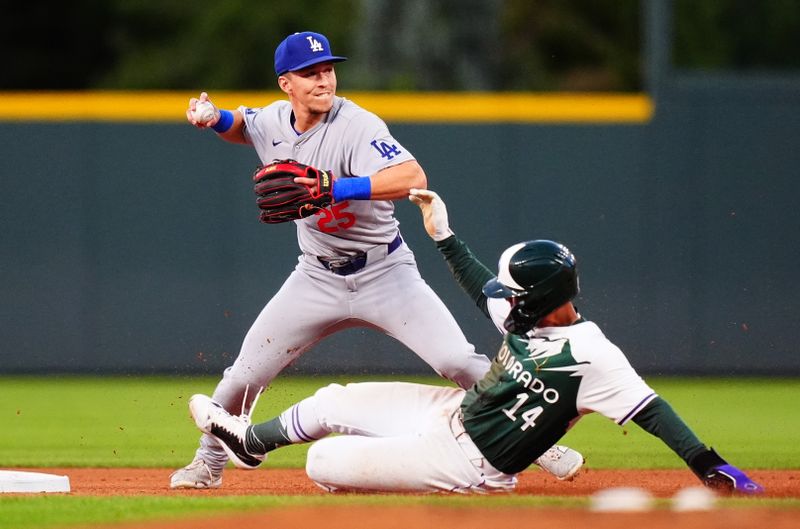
(131,422)
(126,421)
(123,421)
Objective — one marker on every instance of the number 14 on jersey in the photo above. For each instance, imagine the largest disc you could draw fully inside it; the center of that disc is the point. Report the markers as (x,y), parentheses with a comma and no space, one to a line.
(528,416)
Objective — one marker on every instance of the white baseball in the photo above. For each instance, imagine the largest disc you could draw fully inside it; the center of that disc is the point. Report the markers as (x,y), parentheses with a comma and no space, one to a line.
(204,111)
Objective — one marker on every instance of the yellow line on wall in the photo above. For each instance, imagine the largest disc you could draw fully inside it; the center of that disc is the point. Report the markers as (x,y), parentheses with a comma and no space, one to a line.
(509,108)
(430,107)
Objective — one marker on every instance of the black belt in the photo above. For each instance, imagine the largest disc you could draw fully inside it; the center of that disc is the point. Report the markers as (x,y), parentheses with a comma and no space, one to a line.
(344,266)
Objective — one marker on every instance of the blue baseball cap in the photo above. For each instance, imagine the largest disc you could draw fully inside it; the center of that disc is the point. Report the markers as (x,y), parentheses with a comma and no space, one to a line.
(301,50)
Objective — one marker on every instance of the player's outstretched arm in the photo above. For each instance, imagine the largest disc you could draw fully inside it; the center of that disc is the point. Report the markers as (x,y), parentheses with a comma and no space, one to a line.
(204,114)
(396,181)
(659,419)
(467,270)
(387,184)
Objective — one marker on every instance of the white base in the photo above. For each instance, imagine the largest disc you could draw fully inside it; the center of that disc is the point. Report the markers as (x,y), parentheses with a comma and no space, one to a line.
(621,499)
(694,499)
(15,481)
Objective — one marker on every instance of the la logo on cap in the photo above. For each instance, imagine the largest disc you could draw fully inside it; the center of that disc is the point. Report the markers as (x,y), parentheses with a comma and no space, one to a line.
(315,44)
(301,50)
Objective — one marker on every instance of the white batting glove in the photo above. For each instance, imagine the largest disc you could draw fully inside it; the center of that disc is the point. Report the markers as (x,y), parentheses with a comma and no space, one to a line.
(434,213)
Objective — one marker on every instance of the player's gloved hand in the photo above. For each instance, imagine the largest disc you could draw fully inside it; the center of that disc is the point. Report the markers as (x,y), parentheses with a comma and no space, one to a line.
(434,213)
(282,194)
(717,474)
(731,479)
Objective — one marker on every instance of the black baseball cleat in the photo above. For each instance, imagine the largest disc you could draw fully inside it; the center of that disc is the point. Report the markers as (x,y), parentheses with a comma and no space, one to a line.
(229,430)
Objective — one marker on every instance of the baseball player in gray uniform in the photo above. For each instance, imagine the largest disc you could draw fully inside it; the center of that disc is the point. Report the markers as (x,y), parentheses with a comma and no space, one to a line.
(553,368)
(354,269)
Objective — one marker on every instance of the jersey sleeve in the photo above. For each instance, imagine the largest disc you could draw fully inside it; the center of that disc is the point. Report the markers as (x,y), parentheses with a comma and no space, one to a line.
(371,147)
(251,132)
(248,114)
(471,275)
(612,387)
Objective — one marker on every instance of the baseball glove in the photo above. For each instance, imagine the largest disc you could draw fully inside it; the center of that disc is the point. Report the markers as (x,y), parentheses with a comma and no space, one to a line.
(281,199)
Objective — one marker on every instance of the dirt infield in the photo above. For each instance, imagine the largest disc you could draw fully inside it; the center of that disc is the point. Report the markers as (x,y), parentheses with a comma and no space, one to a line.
(144,481)
(661,483)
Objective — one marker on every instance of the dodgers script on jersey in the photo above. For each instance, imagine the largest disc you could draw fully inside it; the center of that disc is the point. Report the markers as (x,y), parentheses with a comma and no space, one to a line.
(540,384)
(350,141)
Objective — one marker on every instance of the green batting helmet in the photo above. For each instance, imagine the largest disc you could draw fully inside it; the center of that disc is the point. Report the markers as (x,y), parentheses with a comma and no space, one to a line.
(540,276)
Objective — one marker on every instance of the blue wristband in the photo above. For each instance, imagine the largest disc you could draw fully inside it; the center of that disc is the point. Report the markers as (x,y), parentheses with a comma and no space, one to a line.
(355,188)
(225,121)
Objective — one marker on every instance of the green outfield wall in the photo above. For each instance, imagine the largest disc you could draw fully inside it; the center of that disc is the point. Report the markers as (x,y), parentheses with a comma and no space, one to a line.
(132,244)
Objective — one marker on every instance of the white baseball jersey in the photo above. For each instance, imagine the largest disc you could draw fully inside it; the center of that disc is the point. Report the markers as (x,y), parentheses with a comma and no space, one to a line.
(412,437)
(609,385)
(540,384)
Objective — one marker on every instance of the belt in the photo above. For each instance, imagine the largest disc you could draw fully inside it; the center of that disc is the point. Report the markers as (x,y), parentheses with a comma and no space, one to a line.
(344,266)
(465,441)
(492,478)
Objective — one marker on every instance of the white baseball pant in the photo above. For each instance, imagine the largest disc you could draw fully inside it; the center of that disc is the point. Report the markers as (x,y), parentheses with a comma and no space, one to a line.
(398,437)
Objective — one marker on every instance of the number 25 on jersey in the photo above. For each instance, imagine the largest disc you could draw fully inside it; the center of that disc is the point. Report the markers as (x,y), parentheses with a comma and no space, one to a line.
(335,218)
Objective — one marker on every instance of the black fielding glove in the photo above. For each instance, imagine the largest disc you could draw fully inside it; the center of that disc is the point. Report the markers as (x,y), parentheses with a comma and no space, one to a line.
(281,199)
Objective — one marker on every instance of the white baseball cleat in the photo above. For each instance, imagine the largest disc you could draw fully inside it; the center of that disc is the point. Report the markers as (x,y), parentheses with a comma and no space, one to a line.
(229,430)
(195,475)
(561,461)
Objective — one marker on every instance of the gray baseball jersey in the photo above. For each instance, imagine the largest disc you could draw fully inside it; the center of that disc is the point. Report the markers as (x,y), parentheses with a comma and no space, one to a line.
(349,142)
